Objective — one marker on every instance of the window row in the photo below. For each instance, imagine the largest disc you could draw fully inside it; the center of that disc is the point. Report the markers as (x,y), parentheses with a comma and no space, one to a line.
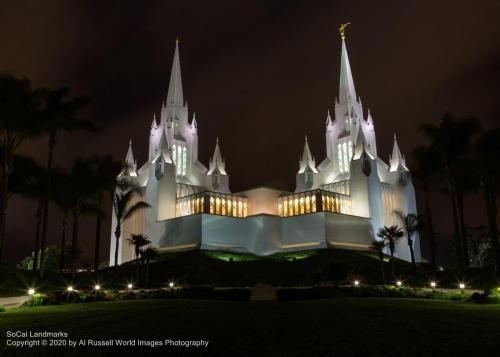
(226,205)
(313,201)
(344,155)
(179,156)
(214,203)
(299,203)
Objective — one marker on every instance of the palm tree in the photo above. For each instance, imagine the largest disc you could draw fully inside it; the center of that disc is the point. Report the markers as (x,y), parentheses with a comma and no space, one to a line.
(27,179)
(19,108)
(59,114)
(411,224)
(379,246)
(138,241)
(488,166)
(105,169)
(147,255)
(62,195)
(391,235)
(125,207)
(424,170)
(451,140)
(81,189)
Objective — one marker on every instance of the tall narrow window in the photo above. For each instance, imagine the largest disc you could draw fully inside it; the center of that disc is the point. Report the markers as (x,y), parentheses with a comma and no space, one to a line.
(174,154)
(178,164)
(183,171)
(344,152)
(349,147)
(340,157)
(347,123)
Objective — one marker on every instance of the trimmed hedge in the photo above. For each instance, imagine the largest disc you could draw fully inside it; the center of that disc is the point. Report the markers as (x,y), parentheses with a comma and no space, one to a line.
(288,294)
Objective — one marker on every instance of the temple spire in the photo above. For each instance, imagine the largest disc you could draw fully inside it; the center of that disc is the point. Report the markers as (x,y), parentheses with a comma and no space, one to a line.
(130,165)
(346,87)
(397,160)
(216,162)
(307,160)
(175,97)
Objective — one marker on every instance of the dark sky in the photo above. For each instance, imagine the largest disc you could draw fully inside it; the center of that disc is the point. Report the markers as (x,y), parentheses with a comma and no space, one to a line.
(258,74)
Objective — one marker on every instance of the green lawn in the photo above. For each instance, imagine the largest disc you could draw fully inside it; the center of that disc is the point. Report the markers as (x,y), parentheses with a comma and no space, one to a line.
(357,326)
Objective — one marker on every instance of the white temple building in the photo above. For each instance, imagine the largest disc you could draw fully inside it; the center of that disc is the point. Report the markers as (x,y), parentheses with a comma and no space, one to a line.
(339,203)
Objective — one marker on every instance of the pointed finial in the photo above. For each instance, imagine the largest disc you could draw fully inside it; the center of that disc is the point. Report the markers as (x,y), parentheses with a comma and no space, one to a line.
(130,142)
(177,40)
(306,138)
(217,140)
(342,29)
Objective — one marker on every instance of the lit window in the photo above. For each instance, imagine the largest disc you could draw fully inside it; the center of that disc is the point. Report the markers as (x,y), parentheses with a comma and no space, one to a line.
(174,154)
(339,154)
(178,164)
(183,161)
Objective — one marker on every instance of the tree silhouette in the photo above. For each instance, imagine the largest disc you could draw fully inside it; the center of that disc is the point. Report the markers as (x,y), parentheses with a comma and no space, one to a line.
(59,114)
(451,140)
(379,246)
(125,207)
(391,235)
(19,114)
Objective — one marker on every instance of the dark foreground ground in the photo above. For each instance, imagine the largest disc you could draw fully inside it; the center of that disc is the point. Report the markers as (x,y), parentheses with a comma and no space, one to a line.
(334,327)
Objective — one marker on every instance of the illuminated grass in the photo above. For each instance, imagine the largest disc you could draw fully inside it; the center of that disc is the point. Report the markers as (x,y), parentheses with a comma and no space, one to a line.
(231,257)
(327,327)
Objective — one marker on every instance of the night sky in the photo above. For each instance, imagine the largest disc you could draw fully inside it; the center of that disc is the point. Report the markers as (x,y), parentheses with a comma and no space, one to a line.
(258,74)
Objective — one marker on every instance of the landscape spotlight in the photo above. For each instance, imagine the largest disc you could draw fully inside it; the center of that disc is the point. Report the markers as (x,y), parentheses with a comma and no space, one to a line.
(69,288)
(97,287)
(31,291)
(129,286)
(433,284)
(171,284)
(399,283)
(356,282)
(462,286)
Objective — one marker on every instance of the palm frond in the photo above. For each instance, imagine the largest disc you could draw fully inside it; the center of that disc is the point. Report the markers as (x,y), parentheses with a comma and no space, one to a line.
(136,207)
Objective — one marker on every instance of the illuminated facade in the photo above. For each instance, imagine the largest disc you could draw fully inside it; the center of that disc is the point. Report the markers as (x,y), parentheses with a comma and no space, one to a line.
(342,202)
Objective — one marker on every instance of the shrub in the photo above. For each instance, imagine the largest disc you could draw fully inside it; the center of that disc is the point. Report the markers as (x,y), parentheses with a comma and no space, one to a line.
(2,308)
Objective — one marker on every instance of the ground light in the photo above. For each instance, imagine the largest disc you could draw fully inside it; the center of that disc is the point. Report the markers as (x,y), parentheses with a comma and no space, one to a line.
(171,284)
(356,282)
(433,284)
(399,283)
(129,286)
(31,291)
(462,286)
(69,289)
(97,287)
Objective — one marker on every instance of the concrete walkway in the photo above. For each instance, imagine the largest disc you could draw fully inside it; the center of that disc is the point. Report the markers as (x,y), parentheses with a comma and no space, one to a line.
(15,301)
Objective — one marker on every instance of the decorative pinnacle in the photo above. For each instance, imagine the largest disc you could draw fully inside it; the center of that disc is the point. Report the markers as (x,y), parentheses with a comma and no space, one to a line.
(342,29)
(177,40)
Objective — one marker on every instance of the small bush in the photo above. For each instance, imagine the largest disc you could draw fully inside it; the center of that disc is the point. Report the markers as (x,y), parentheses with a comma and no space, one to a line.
(2,308)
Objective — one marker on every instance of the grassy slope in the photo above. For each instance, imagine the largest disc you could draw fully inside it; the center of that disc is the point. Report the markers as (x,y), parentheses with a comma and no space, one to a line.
(198,267)
(201,268)
(372,327)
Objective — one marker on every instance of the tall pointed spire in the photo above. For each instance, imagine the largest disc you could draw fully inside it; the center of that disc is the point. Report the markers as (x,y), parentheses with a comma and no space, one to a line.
(194,124)
(175,97)
(307,159)
(397,160)
(216,162)
(130,165)
(328,119)
(154,125)
(346,88)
